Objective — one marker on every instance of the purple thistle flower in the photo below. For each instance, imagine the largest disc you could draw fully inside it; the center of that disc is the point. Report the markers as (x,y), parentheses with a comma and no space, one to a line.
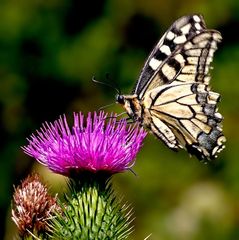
(94,145)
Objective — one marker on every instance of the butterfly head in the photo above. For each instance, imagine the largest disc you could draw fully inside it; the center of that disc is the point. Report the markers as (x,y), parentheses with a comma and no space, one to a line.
(120,99)
(131,104)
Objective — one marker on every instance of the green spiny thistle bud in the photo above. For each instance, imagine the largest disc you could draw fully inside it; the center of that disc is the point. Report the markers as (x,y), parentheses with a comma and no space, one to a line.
(92,212)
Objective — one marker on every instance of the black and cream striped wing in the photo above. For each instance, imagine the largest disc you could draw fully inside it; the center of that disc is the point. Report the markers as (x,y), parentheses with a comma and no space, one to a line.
(185,115)
(181,30)
(183,109)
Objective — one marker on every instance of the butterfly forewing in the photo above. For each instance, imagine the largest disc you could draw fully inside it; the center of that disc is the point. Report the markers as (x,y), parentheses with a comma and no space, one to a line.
(189,63)
(183,29)
(198,53)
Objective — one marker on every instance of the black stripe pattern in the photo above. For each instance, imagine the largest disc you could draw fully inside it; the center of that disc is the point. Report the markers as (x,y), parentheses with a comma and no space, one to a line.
(183,29)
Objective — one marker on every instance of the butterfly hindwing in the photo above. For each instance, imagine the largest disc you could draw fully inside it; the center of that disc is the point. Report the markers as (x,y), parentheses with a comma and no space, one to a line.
(184,115)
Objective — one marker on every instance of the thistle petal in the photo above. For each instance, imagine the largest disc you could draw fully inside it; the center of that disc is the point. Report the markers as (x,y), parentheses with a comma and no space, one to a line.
(94,144)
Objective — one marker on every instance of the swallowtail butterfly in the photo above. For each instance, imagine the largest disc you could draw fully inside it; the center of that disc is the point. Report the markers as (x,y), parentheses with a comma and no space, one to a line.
(172,97)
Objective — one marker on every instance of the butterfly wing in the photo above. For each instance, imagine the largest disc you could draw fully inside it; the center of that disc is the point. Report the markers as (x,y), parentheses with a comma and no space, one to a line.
(183,109)
(184,28)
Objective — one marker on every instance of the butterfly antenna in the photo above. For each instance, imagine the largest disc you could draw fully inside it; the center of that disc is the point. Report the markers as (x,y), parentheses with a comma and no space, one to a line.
(107,84)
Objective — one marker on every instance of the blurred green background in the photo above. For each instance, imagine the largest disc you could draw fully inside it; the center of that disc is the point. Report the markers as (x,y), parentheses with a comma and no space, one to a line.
(49,52)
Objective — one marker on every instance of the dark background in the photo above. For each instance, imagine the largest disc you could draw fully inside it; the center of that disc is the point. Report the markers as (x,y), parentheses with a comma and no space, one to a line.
(49,52)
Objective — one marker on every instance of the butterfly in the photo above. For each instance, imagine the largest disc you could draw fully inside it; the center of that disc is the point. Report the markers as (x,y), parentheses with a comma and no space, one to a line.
(172,97)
